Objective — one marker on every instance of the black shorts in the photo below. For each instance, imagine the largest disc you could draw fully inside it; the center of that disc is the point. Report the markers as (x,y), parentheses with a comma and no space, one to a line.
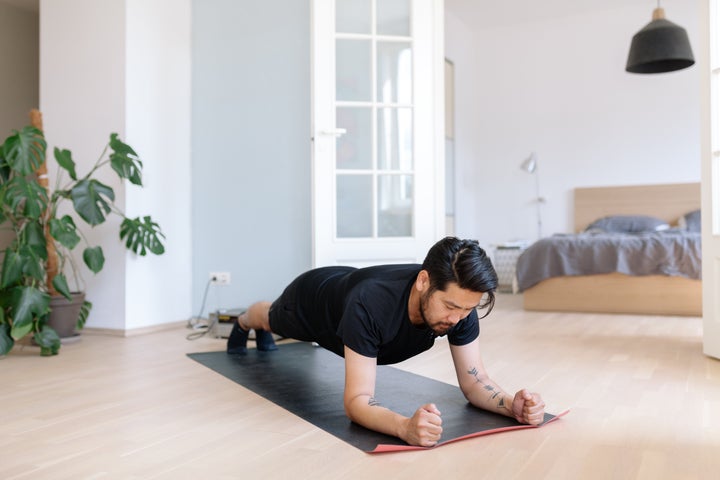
(304,309)
(285,318)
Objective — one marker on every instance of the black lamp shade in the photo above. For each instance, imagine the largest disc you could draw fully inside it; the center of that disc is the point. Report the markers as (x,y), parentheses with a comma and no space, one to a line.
(661,46)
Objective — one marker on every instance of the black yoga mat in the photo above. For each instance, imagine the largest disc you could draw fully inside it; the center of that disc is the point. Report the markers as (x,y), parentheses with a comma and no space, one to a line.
(309,381)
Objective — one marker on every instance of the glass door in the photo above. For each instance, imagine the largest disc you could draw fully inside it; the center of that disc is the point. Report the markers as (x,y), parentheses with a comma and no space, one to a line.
(376,192)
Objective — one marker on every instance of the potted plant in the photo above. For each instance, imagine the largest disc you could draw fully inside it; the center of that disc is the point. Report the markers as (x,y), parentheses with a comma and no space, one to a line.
(33,281)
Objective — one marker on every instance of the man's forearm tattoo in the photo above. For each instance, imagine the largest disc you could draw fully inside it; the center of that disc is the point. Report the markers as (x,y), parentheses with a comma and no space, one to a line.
(373,403)
(494,393)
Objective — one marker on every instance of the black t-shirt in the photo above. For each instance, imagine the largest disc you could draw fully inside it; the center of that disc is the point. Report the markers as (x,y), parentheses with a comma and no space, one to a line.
(367,310)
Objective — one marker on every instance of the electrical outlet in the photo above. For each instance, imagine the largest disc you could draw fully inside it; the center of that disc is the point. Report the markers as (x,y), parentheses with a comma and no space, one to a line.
(220,278)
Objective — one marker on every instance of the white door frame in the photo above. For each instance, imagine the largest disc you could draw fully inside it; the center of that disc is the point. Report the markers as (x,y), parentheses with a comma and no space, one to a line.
(709,63)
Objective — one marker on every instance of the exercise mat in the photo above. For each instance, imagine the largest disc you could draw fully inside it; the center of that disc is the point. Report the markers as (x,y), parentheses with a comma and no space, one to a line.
(309,381)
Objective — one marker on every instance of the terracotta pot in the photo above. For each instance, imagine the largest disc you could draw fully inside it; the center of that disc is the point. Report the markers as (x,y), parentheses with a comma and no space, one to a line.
(64,314)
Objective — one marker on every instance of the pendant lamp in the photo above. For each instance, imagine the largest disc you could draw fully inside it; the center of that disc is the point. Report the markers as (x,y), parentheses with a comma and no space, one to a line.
(661,46)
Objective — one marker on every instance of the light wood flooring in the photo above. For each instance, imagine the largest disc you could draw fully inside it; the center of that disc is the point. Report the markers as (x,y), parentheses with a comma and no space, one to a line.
(644,400)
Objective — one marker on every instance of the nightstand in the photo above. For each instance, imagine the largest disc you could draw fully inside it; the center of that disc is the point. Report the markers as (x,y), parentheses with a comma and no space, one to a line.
(506,256)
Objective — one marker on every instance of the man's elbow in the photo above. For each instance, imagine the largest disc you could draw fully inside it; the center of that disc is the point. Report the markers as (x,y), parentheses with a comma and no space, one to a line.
(466,393)
(348,411)
(350,404)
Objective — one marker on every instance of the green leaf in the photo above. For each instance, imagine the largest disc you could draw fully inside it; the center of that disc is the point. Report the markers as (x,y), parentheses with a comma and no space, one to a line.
(47,352)
(48,340)
(24,151)
(33,264)
(11,269)
(6,341)
(5,303)
(5,169)
(84,314)
(125,161)
(118,146)
(141,235)
(87,197)
(26,261)
(94,258)
(19,330)
(61,285)
(33,235)
(26,198)
(27,303)
(64,231)
(64,159)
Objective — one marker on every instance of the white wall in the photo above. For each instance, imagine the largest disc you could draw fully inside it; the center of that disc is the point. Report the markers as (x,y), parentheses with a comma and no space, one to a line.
(82,98)
(558,87)
(105,69)
(158,288)
(251,213)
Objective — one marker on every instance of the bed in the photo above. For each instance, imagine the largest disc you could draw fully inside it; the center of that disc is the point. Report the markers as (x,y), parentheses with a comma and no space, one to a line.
(668,284)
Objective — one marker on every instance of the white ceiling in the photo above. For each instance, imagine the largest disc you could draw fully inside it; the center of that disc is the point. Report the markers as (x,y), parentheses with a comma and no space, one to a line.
(486,13)
(489,13)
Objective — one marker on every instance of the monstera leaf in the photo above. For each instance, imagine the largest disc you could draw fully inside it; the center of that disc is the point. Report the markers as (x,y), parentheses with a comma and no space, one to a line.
(141,235)
(94,258)
(64,231)
(26,197)
(92,200)
(64,159)
(61,286)
(125,161)
(24,151)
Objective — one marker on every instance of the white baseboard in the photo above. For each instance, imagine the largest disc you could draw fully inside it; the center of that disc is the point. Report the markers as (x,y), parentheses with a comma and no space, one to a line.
(134,331)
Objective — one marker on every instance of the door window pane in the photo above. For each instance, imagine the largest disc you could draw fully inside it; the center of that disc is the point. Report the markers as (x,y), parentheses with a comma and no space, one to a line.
(395,204)
(352,65)
(395,139)
(374,95)
(352,16)
(393,17)
(354,148)
(394,72)
(354,206)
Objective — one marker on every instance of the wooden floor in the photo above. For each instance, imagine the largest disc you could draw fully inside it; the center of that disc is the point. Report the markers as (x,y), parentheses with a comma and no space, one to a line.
(644,400)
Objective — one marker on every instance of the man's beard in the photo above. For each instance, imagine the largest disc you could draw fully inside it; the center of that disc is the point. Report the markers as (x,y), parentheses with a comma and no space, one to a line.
(424,301)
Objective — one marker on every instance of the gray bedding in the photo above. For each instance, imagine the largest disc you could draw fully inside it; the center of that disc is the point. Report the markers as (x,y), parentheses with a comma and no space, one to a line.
(673,252)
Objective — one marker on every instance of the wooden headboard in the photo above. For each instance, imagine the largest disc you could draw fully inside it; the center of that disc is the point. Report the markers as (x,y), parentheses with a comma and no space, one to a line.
(668,202)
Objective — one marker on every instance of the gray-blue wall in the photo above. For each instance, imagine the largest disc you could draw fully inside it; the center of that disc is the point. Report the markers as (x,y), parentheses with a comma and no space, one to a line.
(251,204)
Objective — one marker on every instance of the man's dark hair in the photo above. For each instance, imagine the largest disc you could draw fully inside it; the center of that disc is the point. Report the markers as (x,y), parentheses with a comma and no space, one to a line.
(462,262)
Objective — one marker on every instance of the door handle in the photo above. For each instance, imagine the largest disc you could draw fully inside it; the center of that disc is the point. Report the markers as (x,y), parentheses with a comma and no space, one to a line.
(335,132)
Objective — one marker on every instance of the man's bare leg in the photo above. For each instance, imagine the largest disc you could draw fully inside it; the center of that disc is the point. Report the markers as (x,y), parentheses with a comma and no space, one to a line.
(257,318)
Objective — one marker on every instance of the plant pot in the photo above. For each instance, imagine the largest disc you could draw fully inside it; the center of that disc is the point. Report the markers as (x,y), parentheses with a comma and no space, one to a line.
(64,314)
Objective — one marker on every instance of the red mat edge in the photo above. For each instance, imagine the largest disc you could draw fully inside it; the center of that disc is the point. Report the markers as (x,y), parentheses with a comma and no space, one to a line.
(385,448)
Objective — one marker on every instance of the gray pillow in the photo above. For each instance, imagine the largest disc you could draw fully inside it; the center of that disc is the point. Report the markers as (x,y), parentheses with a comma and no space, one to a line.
(628,224)
(690,221)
